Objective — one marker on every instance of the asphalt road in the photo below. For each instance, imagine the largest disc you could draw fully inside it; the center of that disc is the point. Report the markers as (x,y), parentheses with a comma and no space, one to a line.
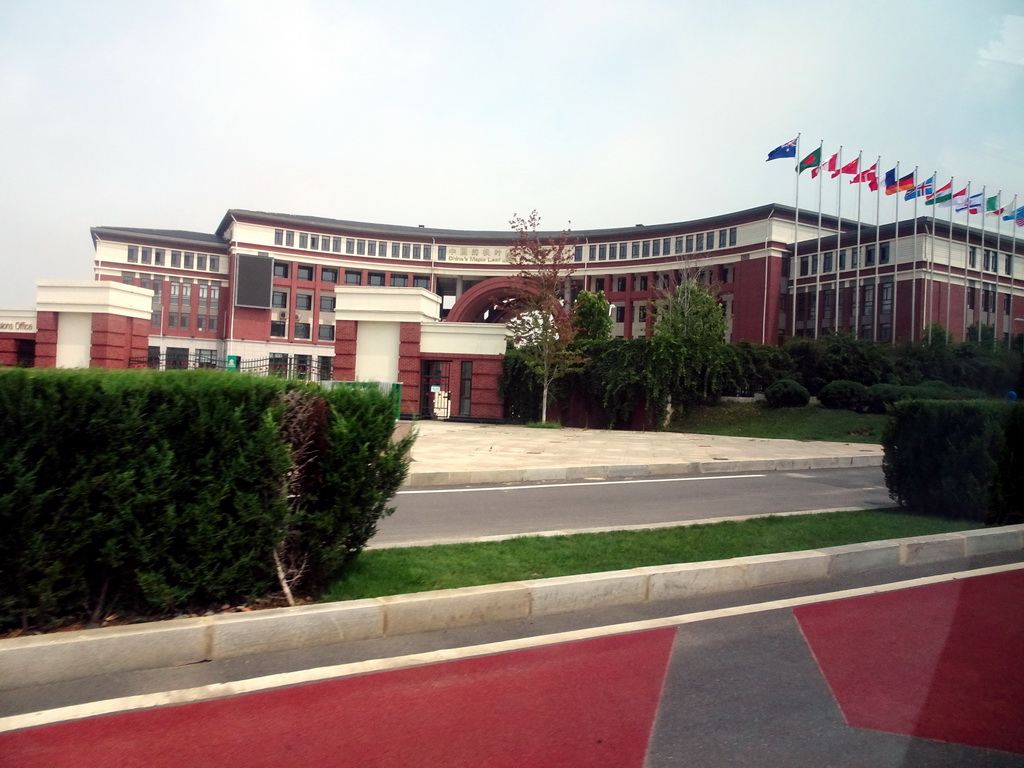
(453,514)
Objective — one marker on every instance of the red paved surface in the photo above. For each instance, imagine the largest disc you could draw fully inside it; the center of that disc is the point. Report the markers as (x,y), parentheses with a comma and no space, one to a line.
(941,662)
(589,704)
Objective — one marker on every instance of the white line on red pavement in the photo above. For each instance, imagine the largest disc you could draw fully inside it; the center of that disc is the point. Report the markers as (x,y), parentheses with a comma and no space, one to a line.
(222,690)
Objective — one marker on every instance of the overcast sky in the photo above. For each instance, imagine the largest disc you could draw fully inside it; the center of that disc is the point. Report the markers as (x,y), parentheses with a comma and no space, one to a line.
(459,114)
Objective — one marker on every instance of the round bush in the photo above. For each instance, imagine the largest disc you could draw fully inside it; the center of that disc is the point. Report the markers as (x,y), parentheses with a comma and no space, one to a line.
(786,393)
(849,395)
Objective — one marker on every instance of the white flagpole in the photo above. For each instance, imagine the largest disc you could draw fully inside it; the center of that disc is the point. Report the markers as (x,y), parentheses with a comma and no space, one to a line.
(949,265)
(913,272)
(1013,248)
(816,258)
(930,282)
(967,257)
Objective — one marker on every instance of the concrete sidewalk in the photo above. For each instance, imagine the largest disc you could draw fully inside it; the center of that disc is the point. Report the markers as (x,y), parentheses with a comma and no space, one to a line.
(450,453)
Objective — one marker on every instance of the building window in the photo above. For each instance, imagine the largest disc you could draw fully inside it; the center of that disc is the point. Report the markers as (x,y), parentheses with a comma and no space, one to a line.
(883,253)
(177,358)
(396,250)
(175,258)
(329,274)
(280,269)
(303,301)
(279,299)
(304,272)
(201,261)
(375,278)
(325,332)
(970,298)
(646,248)
(577,253)
(327,302)
(158,256)
(416,250)
(679,245)
(636,250)
(172,319)
(360,247)
(465,387)
(133,254)
(622,250)
(723,238)
(689,243)
(598,284)
(289,239)
(353,278)
(314,242)
(206,358)
(442,253)
(804,266)
(620,314)
(972,257)
(656,248)
(326,367)
(278,363)
(642,313)
(325,243)
(1008,264)
(302,330)
(405,251)
(700,241)
(278,237)
(427,250)
(826,262)
(371,247)
(421,281)
(214,263)
(1007,303)
(277,328)
(732,235)
(399,281)
(591,252)
(190,259)
(642,280)
(620,284)
(147,255)
(303,240)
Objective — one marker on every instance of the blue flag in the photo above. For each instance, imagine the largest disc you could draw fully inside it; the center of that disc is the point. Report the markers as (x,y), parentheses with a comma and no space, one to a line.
(784,150)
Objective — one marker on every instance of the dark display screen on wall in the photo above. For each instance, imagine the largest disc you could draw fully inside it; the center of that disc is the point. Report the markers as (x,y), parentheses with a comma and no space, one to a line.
(253,279)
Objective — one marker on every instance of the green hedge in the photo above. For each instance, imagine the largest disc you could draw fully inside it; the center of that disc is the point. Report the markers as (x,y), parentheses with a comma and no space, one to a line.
(786,393)
(954,458)
(147,492)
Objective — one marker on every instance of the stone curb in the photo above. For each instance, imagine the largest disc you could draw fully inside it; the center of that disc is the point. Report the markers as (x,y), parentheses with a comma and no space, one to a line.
(417,479)
(42,659)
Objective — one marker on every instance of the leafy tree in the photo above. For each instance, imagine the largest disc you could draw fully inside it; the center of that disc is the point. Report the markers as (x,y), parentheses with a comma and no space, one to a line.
(542,329)
(591,320)
(692,317)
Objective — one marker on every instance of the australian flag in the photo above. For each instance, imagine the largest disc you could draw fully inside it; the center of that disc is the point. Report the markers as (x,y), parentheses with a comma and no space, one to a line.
(785,150)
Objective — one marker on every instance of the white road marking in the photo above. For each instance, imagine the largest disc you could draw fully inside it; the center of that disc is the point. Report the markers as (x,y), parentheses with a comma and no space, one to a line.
(303,676)
(542,485)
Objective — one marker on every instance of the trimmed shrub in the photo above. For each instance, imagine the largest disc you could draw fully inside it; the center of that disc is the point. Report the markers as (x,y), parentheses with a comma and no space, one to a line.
(786,393)
(843,394)
(941,456)
(1007,498)
(146,492)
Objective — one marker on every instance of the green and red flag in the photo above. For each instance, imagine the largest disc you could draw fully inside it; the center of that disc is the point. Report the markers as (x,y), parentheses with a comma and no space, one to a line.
(813,160)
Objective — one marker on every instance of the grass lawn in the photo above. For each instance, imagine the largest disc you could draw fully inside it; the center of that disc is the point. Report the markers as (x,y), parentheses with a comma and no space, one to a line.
(418,569)
(809,423)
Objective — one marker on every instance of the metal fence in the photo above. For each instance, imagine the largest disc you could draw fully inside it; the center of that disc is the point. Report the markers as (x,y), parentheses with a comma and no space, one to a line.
(286,368)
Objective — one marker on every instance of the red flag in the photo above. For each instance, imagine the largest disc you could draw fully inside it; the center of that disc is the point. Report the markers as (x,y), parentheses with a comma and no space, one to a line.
(851,167)
(832,165)
(870,175)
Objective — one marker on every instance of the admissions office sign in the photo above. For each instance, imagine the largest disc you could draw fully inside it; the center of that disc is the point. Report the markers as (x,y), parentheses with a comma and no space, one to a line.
(16,323)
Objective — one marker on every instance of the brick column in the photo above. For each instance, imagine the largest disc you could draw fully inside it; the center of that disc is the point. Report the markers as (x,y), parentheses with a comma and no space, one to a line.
(409,366)
(46,339)
(345,350)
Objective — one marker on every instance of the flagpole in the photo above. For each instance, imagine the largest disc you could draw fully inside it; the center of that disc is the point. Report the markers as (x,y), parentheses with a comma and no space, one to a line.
(995,309)
(949,261)
(967,258)
(930,282)
(794,267)
(860,160)
(913,272)
(1013,254)
(979,308)
(815,258)
(1013,262)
